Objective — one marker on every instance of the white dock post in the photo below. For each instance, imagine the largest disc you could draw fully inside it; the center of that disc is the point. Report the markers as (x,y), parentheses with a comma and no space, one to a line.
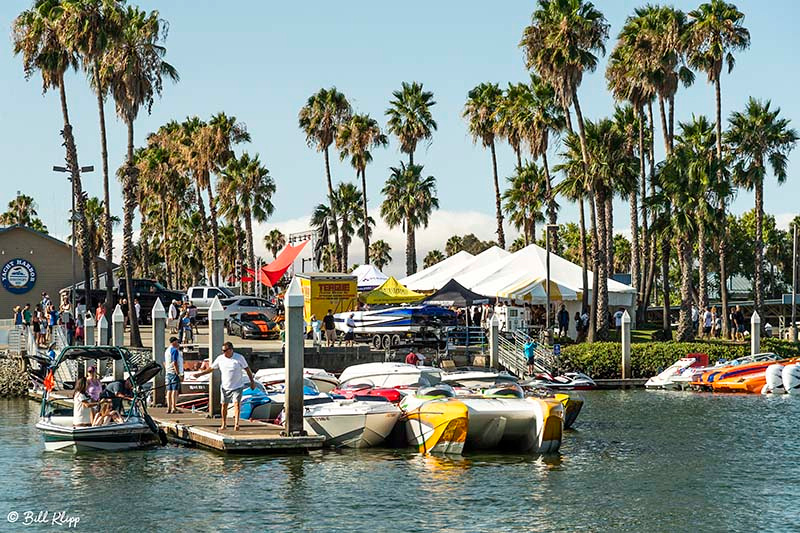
(755,334)
(294,358)
(159,321)
(216,336)
(102,332)
(88,331)
(118,321)
(494,344)
(626,345)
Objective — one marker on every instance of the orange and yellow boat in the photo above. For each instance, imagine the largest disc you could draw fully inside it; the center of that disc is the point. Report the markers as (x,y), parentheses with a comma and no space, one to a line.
(748,378)
(737,368)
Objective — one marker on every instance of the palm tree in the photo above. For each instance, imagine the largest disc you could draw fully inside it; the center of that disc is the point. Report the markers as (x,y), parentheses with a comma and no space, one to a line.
(350,213)
(135,68)
(410,118)
(560,45)
(715,31)
(480,112)
(757,137)
(95,218)
(37,36)
(21,210)
(322,116)
(274,241)
(354,140)
(453,245)
(409,200)
(92,27)
(523,200)
(507,121)
(246,189)
(380,253)
(432,257)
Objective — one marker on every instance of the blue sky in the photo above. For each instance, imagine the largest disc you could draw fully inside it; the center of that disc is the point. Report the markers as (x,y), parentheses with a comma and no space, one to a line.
(260,61)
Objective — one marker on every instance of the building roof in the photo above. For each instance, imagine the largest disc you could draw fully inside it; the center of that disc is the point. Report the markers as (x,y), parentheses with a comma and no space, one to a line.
(7,229)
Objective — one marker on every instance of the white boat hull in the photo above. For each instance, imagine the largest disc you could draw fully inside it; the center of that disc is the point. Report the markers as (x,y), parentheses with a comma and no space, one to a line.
(133,434)
(351,423)
(512,423)
(666,379)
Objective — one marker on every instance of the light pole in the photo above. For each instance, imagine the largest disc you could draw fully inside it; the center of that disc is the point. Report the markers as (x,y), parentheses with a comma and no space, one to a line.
(73,217)
(548,228)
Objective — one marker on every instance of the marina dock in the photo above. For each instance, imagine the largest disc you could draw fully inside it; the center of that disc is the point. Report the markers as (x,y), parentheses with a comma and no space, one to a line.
(253,437)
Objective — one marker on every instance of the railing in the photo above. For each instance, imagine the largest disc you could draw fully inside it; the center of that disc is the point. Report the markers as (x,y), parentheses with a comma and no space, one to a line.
(511,354)
(467,336)
(544,355)
(16,339)
(512,359)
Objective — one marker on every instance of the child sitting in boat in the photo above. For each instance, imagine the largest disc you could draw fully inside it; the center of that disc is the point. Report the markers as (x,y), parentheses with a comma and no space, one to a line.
(106,415)
(82,405)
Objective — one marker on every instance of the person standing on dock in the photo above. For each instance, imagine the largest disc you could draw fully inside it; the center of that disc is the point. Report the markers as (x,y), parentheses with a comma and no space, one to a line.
(173,361)
(330,328)
(231,366)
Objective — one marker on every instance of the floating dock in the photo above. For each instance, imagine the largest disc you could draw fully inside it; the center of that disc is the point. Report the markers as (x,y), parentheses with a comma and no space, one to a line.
(612,384)
(252,438)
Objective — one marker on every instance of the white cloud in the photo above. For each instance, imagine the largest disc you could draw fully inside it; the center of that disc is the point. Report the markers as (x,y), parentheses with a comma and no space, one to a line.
(442,225)
(782,220)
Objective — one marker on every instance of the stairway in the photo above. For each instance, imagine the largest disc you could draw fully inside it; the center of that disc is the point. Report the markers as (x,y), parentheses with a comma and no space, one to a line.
(511,355)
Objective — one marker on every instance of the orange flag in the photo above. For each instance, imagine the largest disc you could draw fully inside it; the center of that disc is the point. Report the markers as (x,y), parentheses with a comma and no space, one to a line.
(49,381)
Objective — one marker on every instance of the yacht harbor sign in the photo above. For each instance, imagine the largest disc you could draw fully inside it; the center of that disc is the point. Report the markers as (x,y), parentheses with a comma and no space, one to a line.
(18,276)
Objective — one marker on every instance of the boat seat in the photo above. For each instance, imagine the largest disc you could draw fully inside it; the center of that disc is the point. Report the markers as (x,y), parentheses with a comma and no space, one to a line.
(448,364)
(61,420)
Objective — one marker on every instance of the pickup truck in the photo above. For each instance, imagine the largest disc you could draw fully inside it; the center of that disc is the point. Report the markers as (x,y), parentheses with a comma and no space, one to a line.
(147,291)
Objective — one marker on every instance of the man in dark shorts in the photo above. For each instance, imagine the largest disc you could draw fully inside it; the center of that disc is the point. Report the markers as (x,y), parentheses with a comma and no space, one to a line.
(118,391)
(329,325)
(738,318)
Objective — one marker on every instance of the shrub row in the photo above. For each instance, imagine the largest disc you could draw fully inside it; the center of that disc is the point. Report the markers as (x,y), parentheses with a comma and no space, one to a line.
(603,360)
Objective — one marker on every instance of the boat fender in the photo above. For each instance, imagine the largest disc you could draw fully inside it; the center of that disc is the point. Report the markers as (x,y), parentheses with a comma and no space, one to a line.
(774,380)
(791,378)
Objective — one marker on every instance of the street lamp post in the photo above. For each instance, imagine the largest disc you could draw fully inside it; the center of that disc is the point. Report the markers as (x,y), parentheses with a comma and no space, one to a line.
(549,334)
(794,284)
(73,217)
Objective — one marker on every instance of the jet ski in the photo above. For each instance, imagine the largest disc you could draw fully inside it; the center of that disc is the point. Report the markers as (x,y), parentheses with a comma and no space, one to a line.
(568,381)
(666,379)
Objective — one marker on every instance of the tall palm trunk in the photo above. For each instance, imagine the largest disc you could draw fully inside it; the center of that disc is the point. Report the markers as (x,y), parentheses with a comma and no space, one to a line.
(164,246)
(759,281)
(666,323)
(129,192)
(651,238)
(518,153)
(108,240)
(411,249)
(212,208)
(634,265)
(641,259)
(338,255)
(411,157)
(251,253)
(609,207)
(552,216)
(365,236)
(77,191)
(685,330)
(584,256)
(702,266)
(345,242)
(723,271)
(664,126)
(602,272)
(501,238)
(598,244)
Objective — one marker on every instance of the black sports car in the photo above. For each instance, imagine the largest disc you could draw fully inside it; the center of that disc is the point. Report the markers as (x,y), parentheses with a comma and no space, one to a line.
(253,325)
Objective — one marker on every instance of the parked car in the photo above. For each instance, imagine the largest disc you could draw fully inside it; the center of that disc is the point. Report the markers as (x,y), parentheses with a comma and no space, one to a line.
(147,291)
(202,297)
(253,325)
(249,304)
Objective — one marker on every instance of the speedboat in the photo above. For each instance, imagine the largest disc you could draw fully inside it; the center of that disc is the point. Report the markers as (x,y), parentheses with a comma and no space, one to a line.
(351,423)
(267,402)
(323,380)
(568,381)
(390,375)
(137,430)
(477,377)
(666,379)
(435,424)
(356,389)
(732,371)
(749,378)
(572,402)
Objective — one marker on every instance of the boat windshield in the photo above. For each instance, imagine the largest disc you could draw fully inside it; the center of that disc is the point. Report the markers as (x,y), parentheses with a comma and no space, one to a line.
(428,379)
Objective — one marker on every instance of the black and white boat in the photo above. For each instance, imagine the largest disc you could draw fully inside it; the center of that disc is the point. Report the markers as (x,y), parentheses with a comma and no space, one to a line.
(390,326)
(137,429)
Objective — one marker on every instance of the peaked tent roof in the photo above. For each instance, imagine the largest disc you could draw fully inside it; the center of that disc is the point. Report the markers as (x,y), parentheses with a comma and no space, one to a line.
(369,277)
(486,257)
(419,281)
(391,292)
(454,294)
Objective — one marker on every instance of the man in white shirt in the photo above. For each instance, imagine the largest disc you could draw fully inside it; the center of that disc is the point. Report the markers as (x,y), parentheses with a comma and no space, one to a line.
(230,365)
(172,315)
(138,308)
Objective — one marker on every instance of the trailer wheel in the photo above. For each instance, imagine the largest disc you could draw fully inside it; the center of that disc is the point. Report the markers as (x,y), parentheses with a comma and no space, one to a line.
(395,340)
(376,342)
(387,342)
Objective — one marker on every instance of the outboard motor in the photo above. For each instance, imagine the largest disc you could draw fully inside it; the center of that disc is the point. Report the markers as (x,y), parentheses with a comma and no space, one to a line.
(791,378)
(774,384)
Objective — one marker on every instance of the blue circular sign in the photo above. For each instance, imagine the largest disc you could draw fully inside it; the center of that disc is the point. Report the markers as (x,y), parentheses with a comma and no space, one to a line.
(18,276)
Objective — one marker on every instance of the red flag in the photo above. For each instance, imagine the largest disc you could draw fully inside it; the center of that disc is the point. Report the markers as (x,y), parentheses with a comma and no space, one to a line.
(49,381)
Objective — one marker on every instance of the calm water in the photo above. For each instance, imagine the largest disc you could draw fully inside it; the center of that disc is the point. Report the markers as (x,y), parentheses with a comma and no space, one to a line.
(637,461)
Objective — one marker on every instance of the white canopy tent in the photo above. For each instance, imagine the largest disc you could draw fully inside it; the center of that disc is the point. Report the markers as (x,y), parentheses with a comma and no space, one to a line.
(369,277)
(489,256)
(421,281)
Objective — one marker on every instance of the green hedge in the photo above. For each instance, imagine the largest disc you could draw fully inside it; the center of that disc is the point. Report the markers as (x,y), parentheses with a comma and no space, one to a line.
(603,360)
